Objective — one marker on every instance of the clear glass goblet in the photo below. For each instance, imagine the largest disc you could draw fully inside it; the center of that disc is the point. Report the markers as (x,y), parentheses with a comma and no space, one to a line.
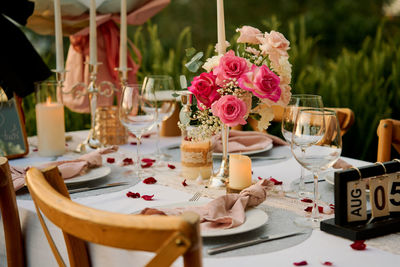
(138,113)
(297,102)
(164,89)
(316,145)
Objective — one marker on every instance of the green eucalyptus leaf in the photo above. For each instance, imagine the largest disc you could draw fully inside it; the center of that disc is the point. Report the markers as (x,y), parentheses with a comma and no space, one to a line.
(190,51)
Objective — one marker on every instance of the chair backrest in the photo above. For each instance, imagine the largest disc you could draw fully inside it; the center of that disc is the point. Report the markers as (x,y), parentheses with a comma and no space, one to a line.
(344,115)
(388,135)
(168,236)
(10,217)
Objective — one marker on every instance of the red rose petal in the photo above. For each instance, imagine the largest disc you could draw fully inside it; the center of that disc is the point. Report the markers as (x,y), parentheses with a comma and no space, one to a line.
(327,263)
(259,178)
(146,136)
(133,143)
(321,209)
(276,182)
(127,161)
(147,165)
(35,150)
(150,180)
(300,263)
(308,209)
(133,195)
(358,245)
(147,160)
(171,166)
(307,200)
(332,206)
(187,138)
(110,160)
(148,197)
(184,183)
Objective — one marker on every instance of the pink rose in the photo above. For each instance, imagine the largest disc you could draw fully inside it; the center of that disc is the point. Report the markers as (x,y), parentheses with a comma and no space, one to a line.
(205,89)
(248,35)
(230,67)
(230,109)
(275,45)
(262,82)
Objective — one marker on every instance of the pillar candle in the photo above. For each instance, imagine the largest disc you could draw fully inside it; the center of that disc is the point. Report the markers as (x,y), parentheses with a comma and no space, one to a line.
(123,41)
(59,38)
(92,33)
(50,128)
(239,171)
(221,27)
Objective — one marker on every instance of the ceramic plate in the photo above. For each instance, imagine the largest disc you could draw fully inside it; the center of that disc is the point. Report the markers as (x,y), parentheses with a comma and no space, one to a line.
(254,218)
(268,147)
(93,174)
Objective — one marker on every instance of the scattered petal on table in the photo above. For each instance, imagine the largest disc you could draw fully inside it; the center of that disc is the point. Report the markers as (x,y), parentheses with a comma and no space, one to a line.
(147,165)
(358,245)
(300,263)
(110,160)
(147,160)
(184,183)
(276,182)
(148,197)
(133,195)
(150,180)
(127,161)
(171,166)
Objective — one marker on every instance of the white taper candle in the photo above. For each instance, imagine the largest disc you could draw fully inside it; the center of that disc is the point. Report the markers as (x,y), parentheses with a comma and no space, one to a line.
(221,27)
(92,34)
(123,41)
(59,37)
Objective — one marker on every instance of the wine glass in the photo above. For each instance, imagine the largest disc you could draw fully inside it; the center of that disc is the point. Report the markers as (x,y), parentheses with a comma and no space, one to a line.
(138,113)
(316,145)
(163,87)
(290,112)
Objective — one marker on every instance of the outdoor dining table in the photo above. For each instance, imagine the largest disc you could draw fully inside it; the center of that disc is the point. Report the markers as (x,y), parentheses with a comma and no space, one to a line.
(314,246)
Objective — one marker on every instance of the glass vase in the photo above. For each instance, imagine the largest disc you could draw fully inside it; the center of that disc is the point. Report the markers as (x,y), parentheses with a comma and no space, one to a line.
(220,178)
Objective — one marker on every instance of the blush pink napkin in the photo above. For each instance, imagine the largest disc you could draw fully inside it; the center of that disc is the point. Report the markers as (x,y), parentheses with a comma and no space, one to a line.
(68,168)
(241,141)
(226,211)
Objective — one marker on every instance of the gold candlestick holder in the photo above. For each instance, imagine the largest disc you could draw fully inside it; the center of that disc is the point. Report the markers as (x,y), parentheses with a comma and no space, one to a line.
(93,90)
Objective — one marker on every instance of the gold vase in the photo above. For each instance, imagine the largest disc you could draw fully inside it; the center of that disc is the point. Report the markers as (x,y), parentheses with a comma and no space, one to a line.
(108,128)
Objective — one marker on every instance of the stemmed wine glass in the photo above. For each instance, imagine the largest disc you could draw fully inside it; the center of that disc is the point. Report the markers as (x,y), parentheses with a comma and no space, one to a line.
(316,145)
(138,113)
(297,102)
(163,87)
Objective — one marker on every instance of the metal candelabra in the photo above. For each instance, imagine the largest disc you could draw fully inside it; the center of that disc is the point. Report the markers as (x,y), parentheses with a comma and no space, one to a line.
(93,90)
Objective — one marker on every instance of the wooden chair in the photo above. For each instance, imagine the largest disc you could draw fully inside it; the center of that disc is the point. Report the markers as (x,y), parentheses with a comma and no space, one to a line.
(168,236)
(10,217)
(388,135)
(345,117)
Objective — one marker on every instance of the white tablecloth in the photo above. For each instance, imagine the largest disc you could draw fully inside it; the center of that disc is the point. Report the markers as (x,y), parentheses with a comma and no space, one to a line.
(320,247)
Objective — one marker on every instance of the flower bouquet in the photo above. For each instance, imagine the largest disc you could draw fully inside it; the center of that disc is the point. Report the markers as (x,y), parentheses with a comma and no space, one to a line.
(241,83)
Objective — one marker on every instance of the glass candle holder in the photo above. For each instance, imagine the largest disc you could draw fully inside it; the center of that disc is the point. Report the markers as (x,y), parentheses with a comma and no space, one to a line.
(49,120)
(196,159)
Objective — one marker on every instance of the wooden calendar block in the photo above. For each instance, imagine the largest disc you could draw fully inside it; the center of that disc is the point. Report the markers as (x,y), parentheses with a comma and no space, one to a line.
(378,195)
(356,201)
(394,192)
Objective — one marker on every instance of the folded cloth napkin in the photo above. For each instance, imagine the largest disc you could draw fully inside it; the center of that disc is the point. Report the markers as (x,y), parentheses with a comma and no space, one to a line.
(241,141)
(341,164)
(68,168)
(224,212)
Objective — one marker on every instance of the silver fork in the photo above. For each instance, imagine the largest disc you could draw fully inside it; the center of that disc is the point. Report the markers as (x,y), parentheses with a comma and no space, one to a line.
(195,197)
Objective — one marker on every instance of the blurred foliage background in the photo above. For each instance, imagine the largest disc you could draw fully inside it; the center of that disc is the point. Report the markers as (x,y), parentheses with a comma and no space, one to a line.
(346,51)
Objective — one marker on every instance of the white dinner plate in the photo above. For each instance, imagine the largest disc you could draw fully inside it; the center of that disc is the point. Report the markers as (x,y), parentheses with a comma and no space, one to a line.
(92,175)
(268,147)
(254,218)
